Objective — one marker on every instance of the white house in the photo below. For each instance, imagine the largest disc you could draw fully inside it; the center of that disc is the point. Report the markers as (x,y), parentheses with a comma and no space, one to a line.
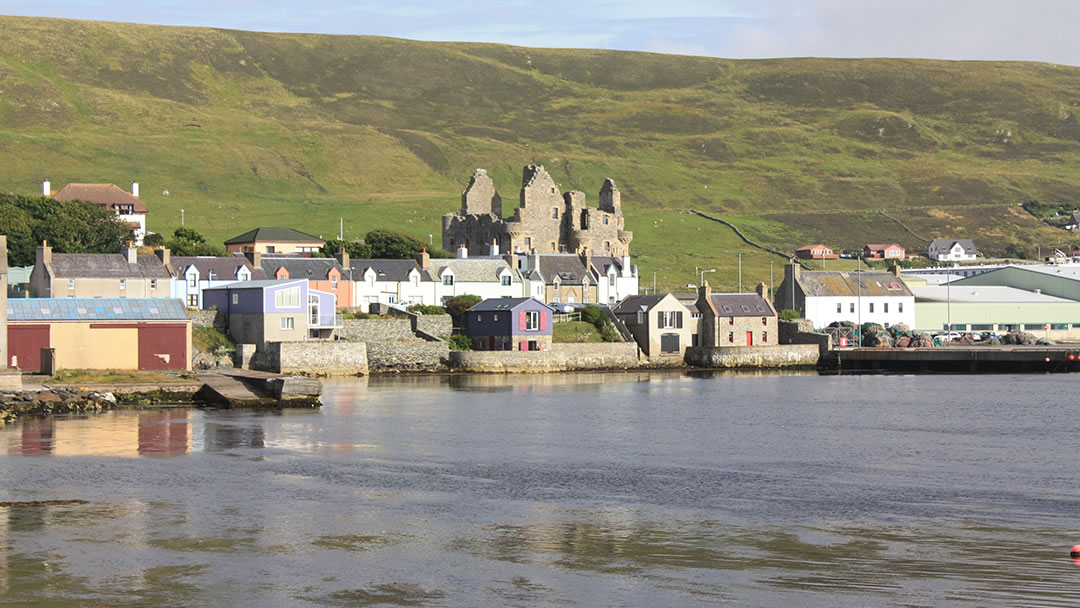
(952,250)
(128,207)
(193,274)
(858,297)
(616,278)
(490,277)
(401,282)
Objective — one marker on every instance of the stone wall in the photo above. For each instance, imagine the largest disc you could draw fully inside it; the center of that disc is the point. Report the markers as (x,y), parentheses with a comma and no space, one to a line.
(792,355)
(209,318)
(561,357)
(801,331)
(407,356)
(313,358)
(376,330)
(435,326)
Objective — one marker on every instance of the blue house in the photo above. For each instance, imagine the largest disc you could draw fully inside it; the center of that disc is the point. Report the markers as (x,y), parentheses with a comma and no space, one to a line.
(510,324)
(275,311)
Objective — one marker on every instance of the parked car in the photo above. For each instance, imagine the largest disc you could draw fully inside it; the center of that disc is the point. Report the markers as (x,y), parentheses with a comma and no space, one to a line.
(947,336)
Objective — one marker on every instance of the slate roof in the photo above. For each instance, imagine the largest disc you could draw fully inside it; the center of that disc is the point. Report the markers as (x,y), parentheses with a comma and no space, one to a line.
(281,235)
(567,266)
(387,270)
(600,264)
(474,270)
(108,195)
(301,268)
(874,283)
(106,266)
(741,305)
(223,267)
(498,304)
(947,244)
(632,304)
(95,309)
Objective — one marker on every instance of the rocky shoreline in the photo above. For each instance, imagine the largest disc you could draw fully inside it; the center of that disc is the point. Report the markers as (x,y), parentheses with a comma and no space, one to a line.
(62,400)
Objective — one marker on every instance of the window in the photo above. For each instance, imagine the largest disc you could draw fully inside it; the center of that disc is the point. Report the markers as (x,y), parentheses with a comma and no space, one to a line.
(448,279)
(669,319)
(731,320)
(288,323)
(287,298)
(415,280)
(552,246)
(852,307)
(871,307)
(528,243)
(193,300)
(555,300)
(555,213)
(885,307)
(611,279)
(640,317)
(605,220)
(153,283)
(764,320)
(193,281)
(333,281)
(532,320)
(900,306)
(585,299)
(607,245)
(611,300)
(123,283)
(71,283)
(764,337)
(235,298)
(270,249)
(506,280)
(479,318)
(495,318)
(838,307)
(731,337)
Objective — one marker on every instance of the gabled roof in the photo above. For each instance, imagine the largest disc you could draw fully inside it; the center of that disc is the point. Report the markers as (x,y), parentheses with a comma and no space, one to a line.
(300,268)
(814,246)
(882,246)
(474,270)
(741,305)
(947,244)
(874,283)
(387,270)
(95,309)
(635,303)
(568,267)
(600,264)
(108,195)
(106,266)
(279,235)
(222,267)
(500,304)
(261,284)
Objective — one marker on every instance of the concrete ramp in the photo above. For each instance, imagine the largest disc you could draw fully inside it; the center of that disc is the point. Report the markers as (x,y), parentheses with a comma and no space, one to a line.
(240,388)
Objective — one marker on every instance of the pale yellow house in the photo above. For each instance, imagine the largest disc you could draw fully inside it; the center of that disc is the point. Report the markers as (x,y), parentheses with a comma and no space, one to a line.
(660,324)
(274,240)
(100,275)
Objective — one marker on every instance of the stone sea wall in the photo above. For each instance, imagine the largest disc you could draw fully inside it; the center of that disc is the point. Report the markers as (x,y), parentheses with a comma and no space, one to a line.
(407,356)
(729,357)
(561,357)
(313,358)
(208,318)
(433,326)
(376,330)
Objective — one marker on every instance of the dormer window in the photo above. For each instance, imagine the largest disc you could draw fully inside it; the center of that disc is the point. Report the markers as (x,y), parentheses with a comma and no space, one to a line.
(333,281)
(448,279)
(415,278)
(506,280)
(193,280)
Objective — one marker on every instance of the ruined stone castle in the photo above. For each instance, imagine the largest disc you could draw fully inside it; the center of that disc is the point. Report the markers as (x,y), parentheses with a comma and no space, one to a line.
(546,221)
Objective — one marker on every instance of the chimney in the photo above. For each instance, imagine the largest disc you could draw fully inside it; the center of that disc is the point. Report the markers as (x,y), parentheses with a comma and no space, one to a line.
(895,269)
(132,253)
(704,293)
(46,188)
(3,255)
(44,253)
(342,257)
(626,270)
(462,252)
(423,258)
(586,260)
(513,260)
(135,189)
(494,248)
(162,254)
(255,258)
(763,290)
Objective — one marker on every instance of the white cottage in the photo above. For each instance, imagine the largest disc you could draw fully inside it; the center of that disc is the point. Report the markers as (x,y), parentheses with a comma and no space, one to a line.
(858,297)
(952,250)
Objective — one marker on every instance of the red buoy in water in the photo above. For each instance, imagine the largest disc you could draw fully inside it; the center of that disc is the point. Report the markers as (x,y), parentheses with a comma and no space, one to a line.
(1075,551)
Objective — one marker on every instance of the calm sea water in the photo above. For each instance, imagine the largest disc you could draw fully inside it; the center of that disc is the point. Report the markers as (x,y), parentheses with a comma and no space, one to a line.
(659,489)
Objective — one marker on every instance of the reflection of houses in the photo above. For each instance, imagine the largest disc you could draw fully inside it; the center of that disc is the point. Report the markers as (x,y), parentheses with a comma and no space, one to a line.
(128,207)
(735,319)
(330,275)
(274,311)
(858,297)
(890,251)
(952,250)
(100,275)
(274,240)
(817,251)
(193,274)
(99,333)
(128,434)
(660,324)
(510,324)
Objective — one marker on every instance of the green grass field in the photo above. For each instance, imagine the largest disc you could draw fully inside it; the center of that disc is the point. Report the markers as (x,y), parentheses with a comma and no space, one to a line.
(243,129)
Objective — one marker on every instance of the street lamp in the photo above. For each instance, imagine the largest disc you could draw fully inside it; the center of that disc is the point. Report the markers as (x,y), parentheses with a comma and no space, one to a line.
(739,253)
(702,282)
(181,217)
(654,280)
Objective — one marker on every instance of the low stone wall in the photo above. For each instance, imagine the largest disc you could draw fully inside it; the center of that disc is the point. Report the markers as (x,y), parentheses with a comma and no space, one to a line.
(801,331)
(209,318)
(313,358)
(376,330)
(433,326)
(561,357)
(727,357)
(407,356)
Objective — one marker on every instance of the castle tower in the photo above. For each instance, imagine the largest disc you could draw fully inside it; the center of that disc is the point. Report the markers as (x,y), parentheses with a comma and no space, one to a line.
(480,195)
(610,197)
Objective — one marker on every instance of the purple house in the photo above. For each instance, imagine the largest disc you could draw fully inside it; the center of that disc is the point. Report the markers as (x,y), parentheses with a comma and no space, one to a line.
(510,324)
(275,311)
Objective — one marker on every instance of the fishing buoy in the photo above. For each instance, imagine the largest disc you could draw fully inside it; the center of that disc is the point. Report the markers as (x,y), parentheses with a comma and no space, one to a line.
(1075,551)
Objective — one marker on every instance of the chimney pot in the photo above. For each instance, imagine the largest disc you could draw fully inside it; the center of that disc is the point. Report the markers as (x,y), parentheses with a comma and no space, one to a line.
(135,189)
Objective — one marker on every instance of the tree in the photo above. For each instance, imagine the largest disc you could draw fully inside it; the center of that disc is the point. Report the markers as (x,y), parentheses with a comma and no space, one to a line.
(457,305)
(355,249)
(1014,250)
(395,245)
(154,239)
(186,241)
(69,227)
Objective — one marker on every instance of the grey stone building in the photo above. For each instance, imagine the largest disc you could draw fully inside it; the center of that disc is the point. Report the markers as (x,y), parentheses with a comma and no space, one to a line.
(546,220)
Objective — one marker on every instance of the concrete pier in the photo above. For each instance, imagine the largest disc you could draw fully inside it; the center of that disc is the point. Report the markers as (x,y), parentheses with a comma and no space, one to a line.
(236,388)
(965,359)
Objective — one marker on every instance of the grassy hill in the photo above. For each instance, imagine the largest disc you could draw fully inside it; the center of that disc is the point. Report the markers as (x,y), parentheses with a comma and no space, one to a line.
(243,129)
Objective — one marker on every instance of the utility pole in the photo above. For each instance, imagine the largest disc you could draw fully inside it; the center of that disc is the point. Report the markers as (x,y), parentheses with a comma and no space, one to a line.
(740,272)
(341,229)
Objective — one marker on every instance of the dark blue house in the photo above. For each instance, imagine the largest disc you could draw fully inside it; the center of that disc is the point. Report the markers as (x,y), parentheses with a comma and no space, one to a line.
(510,324)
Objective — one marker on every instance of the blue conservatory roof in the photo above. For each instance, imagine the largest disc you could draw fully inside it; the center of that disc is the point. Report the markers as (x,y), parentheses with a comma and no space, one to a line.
(96,309)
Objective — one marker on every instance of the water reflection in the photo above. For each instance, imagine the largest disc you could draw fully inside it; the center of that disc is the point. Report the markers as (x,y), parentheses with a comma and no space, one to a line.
(123,434)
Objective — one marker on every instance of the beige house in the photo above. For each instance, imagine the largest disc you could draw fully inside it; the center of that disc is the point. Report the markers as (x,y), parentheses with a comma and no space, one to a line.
(660,324)
(100,275)
(735,319)
(274,240)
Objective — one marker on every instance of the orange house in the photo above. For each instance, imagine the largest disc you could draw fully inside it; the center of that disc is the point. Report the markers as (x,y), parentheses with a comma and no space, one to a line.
(323,274)
(817,251)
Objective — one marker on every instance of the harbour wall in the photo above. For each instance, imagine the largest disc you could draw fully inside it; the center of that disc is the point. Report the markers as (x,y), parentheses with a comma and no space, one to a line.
(560,358)
(731,357)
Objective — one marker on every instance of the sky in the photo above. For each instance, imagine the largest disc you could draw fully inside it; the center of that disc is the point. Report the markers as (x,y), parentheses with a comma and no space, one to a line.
(1028,30)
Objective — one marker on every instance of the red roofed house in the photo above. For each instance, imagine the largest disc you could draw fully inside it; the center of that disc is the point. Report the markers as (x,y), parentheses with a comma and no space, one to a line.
(126,205)
(892,251)
(816,252)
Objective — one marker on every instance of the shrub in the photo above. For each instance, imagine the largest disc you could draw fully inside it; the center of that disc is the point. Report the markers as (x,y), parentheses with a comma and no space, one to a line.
(426,309)
(459,304)
(460,342)
(789,315)
(593,314)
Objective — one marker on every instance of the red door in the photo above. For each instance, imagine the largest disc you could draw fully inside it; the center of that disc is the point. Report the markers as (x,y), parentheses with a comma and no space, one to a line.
(24,346)
(749,338)
(162,347)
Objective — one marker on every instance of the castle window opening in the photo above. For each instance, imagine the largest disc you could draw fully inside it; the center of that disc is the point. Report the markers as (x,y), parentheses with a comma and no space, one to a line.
(584,220)
(555,213)
(552,246)
(605,220)
(528,243)
(607,245)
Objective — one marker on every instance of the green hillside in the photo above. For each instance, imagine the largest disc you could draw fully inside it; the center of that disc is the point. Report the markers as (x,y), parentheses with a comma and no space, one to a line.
(243,129)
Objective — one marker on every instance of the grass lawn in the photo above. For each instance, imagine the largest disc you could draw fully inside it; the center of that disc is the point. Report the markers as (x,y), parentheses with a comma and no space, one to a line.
(95,376)
(575,331)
